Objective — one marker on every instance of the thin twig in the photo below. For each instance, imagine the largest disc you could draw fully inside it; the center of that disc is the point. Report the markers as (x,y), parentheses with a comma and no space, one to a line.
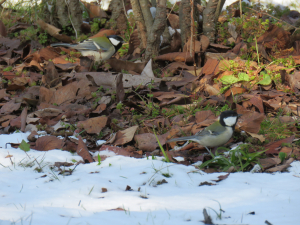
(124,9)
(171,10)
(71,19)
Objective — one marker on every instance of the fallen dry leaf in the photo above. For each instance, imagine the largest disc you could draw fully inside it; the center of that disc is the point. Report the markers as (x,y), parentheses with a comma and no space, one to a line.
(258,136)
(249,121)
(115,149)
(222,177)
(9,107)
(282,167)
(268,162)
(46,143)
(82,150)
(93,125)
(147,142)
(175,56)
(125,136)
(272,147)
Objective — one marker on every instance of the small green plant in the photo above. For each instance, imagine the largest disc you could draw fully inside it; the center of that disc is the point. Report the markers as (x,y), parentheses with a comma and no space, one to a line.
(161,148)
(124,71)
(24,146)
(91,190)
(239,158)
(167,175)
(70,59)
(114,120)
(282,156)
(99,160)
(41,127)
(95,26)
(219,215)
(9,68)
(275,130)
(43,38)
(119,106)
(173,6)
(100,135)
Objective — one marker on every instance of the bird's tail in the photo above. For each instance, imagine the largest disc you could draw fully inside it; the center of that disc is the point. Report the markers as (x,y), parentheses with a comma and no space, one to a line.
(189,138)
(61,45)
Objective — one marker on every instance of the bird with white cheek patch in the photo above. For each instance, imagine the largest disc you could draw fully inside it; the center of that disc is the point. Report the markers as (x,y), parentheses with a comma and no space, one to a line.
(102,48)
(217,134)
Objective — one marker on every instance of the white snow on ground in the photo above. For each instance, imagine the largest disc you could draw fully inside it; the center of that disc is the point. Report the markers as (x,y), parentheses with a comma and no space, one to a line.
(26,197)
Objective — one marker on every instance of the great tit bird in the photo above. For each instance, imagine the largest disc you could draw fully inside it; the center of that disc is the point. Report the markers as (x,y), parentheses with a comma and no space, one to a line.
(102,48)
(216,134)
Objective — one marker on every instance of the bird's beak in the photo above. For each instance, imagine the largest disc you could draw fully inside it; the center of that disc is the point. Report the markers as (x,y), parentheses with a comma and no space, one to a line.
(239,115)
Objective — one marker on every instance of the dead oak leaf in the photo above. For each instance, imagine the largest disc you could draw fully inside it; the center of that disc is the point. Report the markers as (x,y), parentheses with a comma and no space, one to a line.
(271,148)
(82,150)
(93,125)
(116,150)
(46,143)
(9,107)
(250,121)
(281,167)
(222,177)
(148,142)
(125,136)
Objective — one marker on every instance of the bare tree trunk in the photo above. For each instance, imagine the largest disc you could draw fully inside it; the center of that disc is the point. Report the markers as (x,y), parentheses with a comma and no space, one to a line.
(185,21)
(48,12)
(118,17)
(70,14)
(219,9)
(146,14)
(75,15)
(140,22)
(158,27)
(62,13)
(210,17)
(197,12)
(153,3)
(150,31)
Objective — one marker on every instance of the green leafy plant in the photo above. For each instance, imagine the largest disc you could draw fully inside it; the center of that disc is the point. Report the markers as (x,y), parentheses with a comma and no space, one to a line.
(274,129)
(24,146)
(161,148)
(282,156)
(239,158)
(9,68)
(120,106)
(43,38)
(95,26)
(99,160)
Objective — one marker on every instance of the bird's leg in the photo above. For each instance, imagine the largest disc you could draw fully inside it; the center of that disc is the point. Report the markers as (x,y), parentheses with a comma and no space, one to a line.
(209,151)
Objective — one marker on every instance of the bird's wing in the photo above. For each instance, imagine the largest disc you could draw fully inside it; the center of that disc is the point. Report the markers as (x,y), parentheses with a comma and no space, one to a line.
(214,129)
(103,44)
(208,131)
